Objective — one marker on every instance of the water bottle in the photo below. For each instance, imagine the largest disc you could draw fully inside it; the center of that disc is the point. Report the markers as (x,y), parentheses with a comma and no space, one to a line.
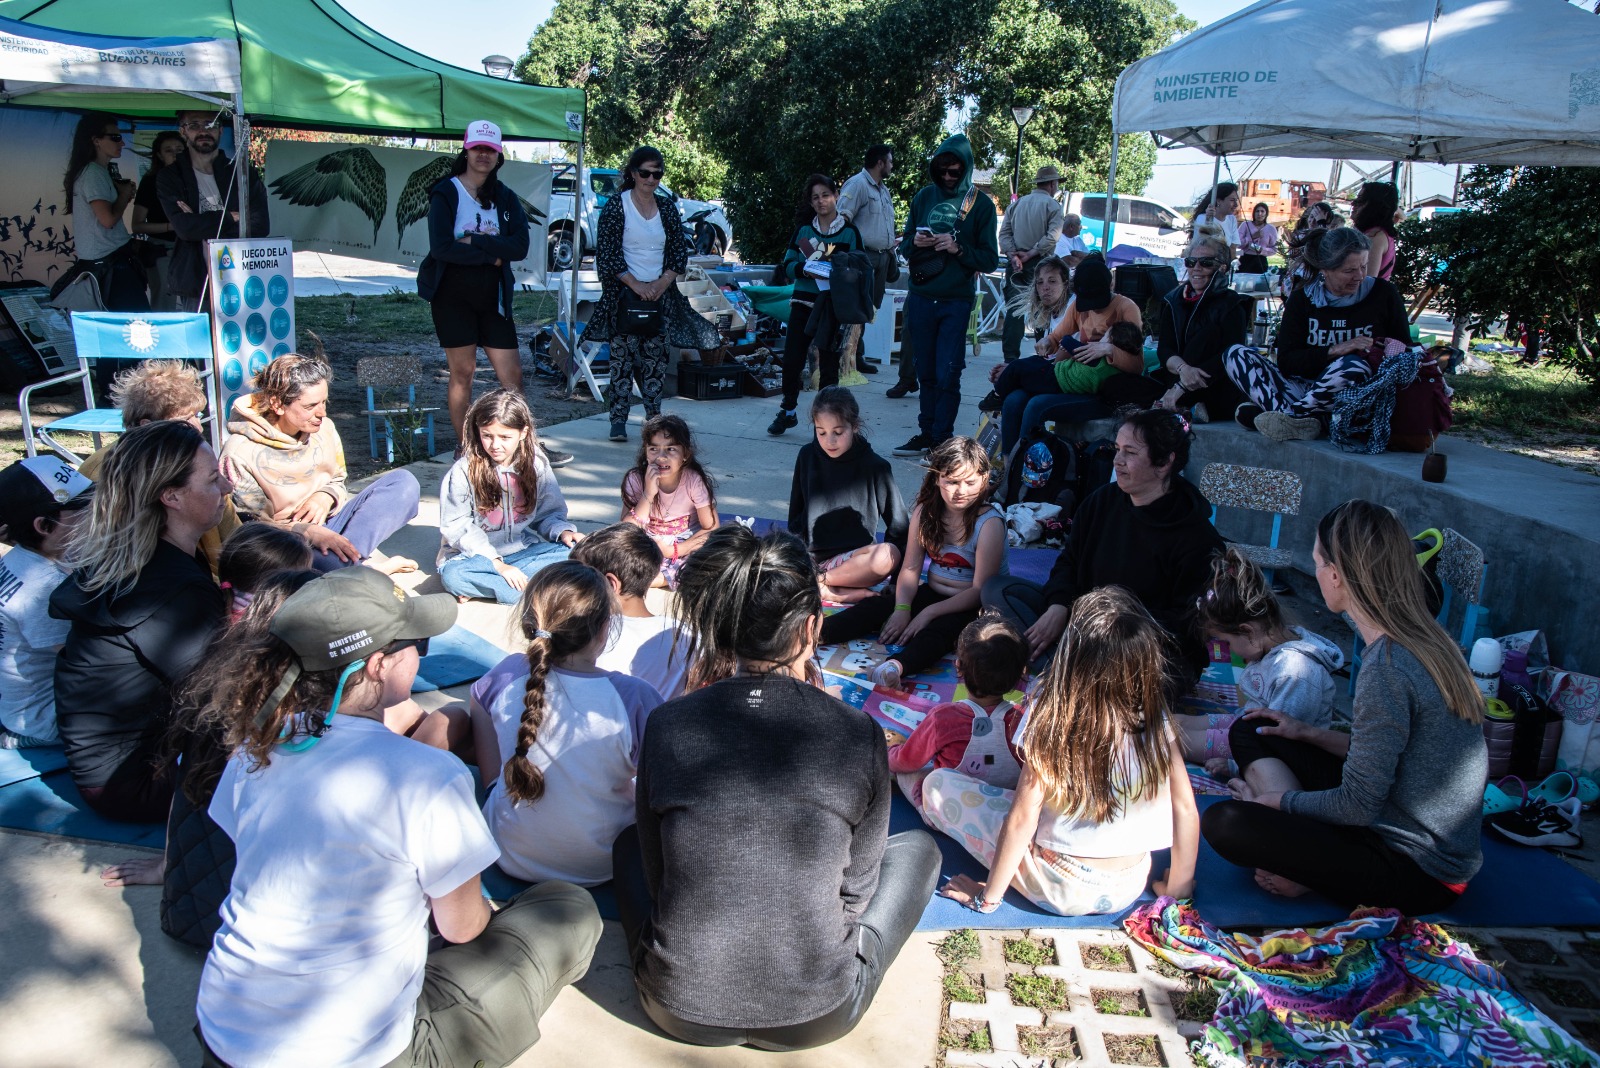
(1514,673)
(1486,660)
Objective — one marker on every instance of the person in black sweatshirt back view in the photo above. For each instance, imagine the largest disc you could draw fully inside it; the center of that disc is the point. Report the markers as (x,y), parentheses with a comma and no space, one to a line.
(1149,531)
(761,895)
(842,490)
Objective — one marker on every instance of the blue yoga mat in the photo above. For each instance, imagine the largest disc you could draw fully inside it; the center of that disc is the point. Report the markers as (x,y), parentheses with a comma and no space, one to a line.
(454,657)
(19,765)
(50,804)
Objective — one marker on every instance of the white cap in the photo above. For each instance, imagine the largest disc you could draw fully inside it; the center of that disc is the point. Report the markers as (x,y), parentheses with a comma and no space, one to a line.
(483,132)
(59,478)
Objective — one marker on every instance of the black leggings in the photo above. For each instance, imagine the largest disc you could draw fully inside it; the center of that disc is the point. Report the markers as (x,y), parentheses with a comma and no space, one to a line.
(906,880)
(925,648)
(1352,865)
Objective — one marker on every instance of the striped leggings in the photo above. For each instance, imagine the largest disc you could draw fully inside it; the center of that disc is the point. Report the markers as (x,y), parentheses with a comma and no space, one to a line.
(1274,391)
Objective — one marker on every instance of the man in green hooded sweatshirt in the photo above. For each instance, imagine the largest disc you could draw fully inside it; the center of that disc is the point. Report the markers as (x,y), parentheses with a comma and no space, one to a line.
(950,236)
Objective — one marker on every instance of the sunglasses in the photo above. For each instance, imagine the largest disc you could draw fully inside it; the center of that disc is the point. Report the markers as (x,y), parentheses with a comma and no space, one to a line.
(1204,262)
(956,170)
(419,644)
(654,176)
(110,137)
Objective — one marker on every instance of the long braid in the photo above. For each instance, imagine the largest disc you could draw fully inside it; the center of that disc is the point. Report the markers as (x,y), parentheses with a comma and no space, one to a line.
(524,781)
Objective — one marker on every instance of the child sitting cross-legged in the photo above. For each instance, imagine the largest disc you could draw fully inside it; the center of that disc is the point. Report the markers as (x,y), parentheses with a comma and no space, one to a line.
(974,735)
(1286,668)
(1103,783)
(963,538)
(558,739)
(642,644)
(669,494)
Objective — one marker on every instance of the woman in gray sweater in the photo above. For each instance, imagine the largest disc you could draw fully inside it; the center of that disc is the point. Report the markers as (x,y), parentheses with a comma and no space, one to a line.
(1386,815)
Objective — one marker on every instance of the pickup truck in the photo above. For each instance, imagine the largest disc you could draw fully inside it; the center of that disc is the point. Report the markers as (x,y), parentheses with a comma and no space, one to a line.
(704,223)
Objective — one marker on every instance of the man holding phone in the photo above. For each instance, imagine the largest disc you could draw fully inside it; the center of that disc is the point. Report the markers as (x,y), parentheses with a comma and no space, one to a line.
(950,232)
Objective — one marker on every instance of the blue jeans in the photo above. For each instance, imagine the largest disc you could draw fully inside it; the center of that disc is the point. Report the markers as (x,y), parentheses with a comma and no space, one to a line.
(938,332)
(371,516)
(1021,411)
(475,576)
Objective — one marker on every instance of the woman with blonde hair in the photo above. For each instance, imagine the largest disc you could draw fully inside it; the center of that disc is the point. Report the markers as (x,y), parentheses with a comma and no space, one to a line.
(1387,814)
(142,607)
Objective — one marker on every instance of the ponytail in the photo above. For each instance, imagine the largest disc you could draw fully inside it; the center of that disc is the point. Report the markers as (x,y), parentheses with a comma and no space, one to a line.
(563,610)
(745,598)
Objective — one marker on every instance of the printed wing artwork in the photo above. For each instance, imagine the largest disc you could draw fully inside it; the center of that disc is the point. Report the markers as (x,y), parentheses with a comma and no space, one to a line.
(351,174)
(413,204)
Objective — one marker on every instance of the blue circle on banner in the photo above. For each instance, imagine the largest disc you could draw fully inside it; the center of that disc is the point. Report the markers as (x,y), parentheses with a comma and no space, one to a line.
(255,291)
(232,336)
(278,290)
(280,323)
(255,329)
(229,302)
(233,375)
(258,362)
(280,349)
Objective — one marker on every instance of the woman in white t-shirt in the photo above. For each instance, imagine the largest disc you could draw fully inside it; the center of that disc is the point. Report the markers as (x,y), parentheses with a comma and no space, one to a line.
(477,228)
(1220,207)
(349,838)
(1076,836)
(96,198)
(640,253)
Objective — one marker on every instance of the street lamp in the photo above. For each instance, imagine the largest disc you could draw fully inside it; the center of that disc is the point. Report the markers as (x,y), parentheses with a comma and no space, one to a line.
(498,66)
(1021,114)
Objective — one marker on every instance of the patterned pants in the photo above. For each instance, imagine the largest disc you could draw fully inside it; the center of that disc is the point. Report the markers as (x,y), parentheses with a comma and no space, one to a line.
(1274,391)
(973,812)
(636,359)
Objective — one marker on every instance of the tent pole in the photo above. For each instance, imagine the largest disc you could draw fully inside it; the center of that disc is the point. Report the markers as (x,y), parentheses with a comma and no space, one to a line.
(241,163)
(1110,211)
(1216,176)
(579,215)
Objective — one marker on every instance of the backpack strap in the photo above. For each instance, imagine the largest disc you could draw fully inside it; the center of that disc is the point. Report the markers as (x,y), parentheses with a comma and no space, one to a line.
(967,202)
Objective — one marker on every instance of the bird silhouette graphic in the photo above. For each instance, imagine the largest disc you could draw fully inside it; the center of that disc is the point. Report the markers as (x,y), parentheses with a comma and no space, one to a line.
(412,206)
(350,174)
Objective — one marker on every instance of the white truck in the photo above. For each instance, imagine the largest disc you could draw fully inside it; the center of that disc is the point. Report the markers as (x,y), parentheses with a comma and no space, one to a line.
(704,223)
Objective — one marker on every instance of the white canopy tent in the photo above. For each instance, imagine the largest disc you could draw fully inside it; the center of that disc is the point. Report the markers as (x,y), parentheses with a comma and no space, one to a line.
(1507,82)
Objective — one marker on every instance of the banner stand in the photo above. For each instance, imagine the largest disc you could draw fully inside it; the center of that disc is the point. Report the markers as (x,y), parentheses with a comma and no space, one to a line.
(251,281)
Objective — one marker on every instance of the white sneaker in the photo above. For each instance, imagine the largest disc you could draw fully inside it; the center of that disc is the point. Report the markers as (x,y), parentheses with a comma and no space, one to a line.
(1281,426)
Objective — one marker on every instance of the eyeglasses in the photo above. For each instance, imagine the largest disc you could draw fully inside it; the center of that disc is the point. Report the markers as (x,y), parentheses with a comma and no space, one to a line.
(1207,263)
(652,176)
(197,126)
(110,137)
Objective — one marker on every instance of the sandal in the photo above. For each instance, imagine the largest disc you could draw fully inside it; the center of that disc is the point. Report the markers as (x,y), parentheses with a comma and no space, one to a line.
(1496,800)
(1556,788)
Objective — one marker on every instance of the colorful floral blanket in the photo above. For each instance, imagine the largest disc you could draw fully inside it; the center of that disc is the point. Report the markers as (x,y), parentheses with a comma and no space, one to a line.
(1376,989)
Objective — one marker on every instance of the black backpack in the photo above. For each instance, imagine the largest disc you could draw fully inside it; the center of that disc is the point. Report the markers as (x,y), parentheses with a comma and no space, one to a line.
(850,285)
(1059,476)
(1093,465)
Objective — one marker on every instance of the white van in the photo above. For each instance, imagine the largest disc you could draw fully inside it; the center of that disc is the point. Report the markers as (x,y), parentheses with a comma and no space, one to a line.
(1148,224)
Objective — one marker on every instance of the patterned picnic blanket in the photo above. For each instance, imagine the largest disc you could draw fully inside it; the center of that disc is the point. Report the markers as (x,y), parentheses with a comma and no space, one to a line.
(1376,989)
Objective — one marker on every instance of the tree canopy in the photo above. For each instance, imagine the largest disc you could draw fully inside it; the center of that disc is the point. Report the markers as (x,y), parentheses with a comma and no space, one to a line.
(1526,247)
(745,98)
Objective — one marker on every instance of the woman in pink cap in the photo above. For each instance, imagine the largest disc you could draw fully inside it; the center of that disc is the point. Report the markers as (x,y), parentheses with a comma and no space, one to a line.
(477,229)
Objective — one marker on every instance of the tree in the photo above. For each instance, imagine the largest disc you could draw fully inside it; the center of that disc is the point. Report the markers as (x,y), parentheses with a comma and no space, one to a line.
(1527,247)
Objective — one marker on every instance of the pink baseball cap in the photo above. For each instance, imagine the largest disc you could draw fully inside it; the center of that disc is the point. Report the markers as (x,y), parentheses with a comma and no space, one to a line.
(483,132)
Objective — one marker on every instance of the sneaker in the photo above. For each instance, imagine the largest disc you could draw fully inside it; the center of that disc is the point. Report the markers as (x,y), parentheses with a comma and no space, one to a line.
(1541,824)
(555,457)
(918,445)
(867,367)
(782,421)
(1200,414)
(898,390)
(991,403)
(1281,426)
(1245,415)
(619,431)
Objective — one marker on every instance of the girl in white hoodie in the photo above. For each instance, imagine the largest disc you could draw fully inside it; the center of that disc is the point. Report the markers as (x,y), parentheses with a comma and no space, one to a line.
(501,513)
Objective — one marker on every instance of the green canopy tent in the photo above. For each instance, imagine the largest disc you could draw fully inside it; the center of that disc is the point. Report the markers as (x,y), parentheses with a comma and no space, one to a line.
(310,64)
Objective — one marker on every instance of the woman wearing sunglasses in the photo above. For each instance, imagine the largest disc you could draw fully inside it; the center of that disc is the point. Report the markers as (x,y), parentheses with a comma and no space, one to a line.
(96,199)
(1197,322)
(640,253)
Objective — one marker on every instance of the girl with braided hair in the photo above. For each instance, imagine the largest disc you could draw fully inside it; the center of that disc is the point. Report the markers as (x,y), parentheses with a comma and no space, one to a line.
(557,738)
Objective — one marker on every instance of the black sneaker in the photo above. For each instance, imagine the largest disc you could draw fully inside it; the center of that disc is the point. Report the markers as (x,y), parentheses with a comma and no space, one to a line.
(897,391)
(555,457)
(1541,823)
(782,421)
(991,403)
(1245,414)
(918,445)
(619,430)
(867,367)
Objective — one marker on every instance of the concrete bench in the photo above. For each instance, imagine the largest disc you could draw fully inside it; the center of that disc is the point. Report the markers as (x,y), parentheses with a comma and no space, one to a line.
(1537,524)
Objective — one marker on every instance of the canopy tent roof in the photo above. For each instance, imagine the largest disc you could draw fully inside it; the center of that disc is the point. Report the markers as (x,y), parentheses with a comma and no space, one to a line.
(310,63)
(1510,82)
(165,73)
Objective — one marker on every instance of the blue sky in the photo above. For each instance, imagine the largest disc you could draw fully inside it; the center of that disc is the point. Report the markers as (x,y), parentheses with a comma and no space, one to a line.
(477,28)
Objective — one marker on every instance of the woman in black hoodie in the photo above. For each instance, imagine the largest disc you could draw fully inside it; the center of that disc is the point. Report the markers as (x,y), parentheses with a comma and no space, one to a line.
(142,607)
(1199,321)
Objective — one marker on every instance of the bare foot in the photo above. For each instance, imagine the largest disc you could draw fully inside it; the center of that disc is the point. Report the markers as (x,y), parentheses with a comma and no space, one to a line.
(142,871)
(1277,884)
(394,565)
(1219,767)
(462,598)
(886,674)
(1241,790)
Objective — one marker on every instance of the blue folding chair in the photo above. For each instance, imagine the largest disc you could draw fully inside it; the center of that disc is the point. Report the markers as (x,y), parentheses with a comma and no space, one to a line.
(1255,489)
(393,374)
(116,336)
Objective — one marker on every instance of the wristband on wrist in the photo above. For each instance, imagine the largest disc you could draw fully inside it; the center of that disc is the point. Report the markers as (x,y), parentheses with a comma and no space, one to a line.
(902,608)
